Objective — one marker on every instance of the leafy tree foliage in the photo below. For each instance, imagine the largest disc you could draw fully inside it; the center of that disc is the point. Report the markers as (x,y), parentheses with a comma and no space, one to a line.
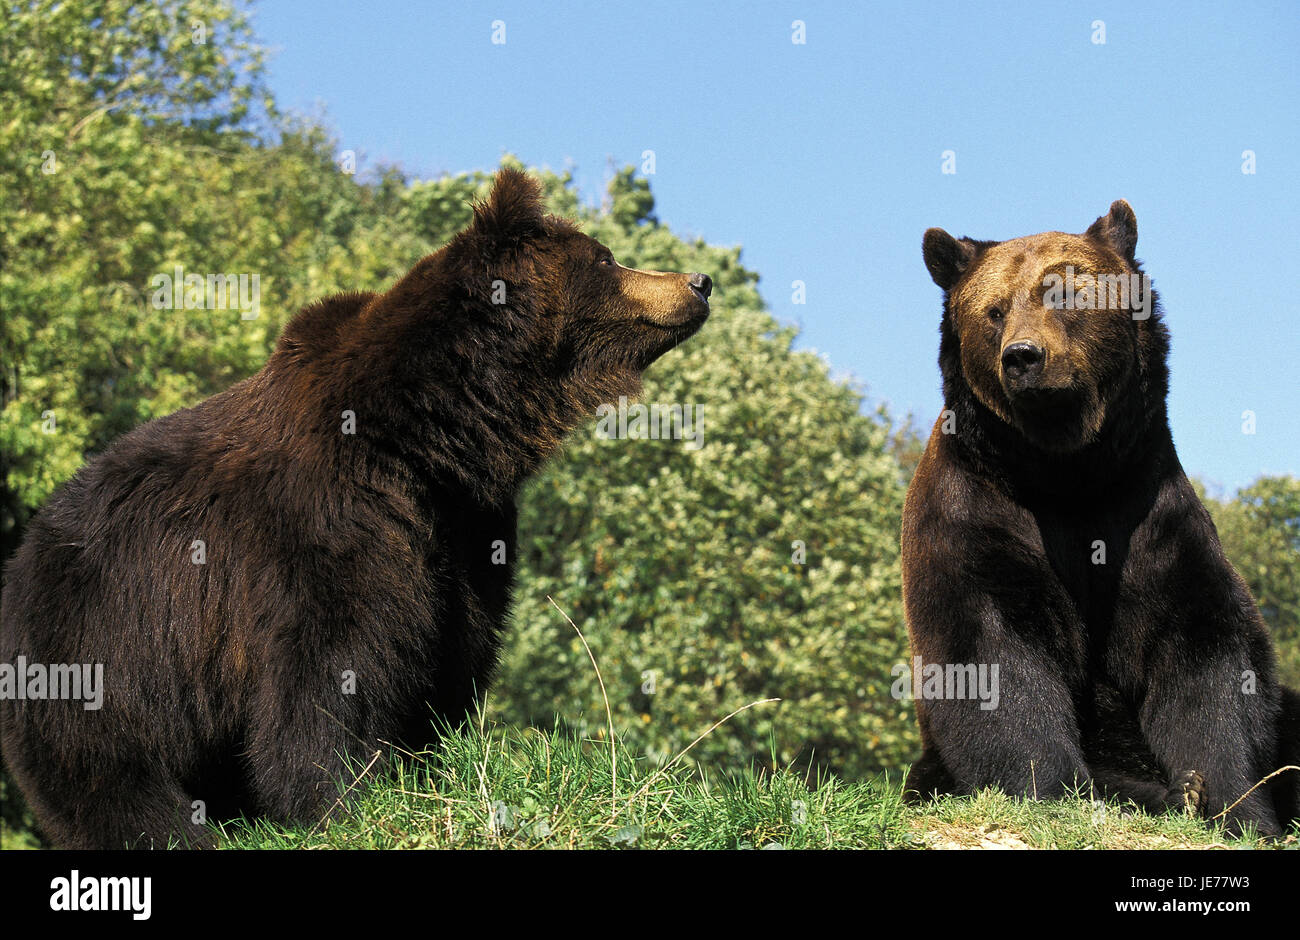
(1260,531)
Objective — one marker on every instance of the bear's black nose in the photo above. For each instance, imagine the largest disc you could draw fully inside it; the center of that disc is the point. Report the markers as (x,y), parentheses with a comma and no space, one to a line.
(702,283)
(1022,362)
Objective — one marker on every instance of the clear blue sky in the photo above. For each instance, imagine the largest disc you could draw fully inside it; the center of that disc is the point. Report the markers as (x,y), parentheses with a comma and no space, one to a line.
(823,160)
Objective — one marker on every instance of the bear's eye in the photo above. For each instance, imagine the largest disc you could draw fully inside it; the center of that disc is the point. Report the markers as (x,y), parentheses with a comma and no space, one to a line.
(995,314)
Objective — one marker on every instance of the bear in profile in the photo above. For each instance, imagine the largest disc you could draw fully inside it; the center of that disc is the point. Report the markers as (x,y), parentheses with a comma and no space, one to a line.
(318,560)
(1051,537)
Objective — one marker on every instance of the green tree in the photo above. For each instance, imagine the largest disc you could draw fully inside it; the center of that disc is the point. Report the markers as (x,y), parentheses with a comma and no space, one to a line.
(1260,532)
(112,155)
(138,138)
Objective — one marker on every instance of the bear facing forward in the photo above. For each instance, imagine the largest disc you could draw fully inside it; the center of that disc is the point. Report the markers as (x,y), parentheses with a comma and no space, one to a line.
(1050,531)
(352,500)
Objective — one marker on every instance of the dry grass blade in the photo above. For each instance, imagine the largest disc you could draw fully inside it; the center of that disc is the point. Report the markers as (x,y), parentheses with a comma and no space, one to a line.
(721,721)
(609,715)
(1280,770)
(342,796)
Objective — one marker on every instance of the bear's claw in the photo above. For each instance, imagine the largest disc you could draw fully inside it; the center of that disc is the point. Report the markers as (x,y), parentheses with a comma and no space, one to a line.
(1188,791)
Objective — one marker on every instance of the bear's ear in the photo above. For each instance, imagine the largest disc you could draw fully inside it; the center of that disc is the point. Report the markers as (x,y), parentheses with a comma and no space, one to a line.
(1118,229)
(947,258)
(511,213)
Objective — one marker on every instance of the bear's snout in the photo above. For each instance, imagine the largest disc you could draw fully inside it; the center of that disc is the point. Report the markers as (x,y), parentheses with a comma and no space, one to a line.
(702,285)
(1022,365)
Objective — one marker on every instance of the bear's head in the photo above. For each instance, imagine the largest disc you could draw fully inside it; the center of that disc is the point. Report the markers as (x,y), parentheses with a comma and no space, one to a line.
(583,315)
(497,345)
(1050,331)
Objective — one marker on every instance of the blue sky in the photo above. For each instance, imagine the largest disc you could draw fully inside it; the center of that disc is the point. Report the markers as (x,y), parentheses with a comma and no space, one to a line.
(823,160)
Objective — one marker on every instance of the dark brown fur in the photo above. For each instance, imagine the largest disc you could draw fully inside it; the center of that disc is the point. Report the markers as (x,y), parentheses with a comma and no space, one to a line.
(1129,676)
(370,553)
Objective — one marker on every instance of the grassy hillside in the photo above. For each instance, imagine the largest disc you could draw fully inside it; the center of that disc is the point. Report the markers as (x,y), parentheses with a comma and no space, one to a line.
(507,788)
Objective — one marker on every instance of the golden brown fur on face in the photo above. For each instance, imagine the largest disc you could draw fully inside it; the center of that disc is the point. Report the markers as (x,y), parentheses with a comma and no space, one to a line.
(660,298)
(1002,303)
(1049,369)
(609,322)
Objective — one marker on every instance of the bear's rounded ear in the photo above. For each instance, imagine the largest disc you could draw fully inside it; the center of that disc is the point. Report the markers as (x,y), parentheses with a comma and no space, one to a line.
(947,258)
(1118,229)
(511,213)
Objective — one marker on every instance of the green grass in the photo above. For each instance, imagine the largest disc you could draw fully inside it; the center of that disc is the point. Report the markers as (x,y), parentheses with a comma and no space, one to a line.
(508,788)
(505,788)
(500,787)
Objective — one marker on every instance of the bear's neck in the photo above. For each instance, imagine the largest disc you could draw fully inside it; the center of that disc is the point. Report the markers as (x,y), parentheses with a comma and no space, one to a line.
(1131,443)
(1134,440)
(462,409)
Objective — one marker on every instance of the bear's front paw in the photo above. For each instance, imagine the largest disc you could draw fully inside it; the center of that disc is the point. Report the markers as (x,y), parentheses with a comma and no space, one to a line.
(1188,791)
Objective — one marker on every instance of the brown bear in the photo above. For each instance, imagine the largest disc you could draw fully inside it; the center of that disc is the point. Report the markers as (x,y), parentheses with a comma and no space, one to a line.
(1051,538)
(317,561)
